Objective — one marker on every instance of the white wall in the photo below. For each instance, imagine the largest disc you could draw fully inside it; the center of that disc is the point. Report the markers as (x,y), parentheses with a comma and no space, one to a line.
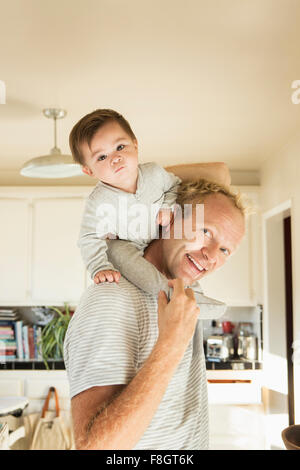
(280,181)
(276,294)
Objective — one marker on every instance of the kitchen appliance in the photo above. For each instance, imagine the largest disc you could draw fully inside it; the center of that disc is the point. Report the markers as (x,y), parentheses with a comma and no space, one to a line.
(219,348)
(227,327)
(246,342)
(251,348)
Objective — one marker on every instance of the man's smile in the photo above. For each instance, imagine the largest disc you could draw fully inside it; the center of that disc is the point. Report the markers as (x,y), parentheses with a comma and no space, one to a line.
(195,264)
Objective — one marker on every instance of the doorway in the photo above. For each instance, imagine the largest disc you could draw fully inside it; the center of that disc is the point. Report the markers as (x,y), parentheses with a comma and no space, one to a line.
(278,323)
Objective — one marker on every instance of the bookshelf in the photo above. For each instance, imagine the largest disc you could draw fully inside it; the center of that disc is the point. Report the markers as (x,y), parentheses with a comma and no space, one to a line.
(32,364)
(20,334)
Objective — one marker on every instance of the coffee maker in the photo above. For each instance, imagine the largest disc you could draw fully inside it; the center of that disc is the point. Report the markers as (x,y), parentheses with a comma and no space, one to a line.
(219,345)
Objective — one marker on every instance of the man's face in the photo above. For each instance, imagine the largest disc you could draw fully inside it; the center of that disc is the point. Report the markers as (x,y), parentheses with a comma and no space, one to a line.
(112,156)
(223,230)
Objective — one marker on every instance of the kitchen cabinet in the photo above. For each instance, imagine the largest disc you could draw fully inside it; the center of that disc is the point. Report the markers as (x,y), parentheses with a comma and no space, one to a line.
(14,216)
(236,411)
(238,282)
(237,427)
(40,261)
(58,272)
(234,387)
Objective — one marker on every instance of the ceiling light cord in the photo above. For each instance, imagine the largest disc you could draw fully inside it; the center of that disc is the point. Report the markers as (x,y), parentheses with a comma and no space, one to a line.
(55,149)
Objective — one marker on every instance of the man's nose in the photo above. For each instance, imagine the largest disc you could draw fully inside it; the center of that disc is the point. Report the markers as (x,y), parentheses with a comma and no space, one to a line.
(210,253)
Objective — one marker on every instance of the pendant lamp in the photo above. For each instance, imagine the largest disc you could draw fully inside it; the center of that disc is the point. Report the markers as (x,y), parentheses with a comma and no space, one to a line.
(54,165)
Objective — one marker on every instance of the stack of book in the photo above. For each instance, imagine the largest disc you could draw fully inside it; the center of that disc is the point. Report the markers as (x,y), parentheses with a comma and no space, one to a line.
(8,346)
(27,339)
(17,339)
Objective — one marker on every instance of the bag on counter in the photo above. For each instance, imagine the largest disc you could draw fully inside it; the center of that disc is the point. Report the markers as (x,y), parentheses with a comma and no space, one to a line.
(61,434)
(48,432)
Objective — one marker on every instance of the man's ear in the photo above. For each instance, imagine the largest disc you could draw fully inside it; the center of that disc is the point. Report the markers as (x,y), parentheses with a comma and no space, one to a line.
(86,170)
(135,143)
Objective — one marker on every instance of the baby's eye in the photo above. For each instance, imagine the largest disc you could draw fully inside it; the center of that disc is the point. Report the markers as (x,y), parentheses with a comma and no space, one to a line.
(102,157)
(120,147)
(225,251)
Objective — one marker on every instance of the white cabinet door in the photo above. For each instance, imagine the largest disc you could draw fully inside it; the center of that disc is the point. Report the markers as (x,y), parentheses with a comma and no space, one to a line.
(235,282)
(14,243)
(237,427)
(58,273)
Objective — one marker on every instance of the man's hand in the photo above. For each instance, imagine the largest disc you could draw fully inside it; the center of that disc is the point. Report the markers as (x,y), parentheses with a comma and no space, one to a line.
(217,172)
(177,319)
(108,275)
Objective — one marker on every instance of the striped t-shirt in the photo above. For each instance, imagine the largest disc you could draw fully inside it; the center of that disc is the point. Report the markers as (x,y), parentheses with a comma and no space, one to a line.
(110,336)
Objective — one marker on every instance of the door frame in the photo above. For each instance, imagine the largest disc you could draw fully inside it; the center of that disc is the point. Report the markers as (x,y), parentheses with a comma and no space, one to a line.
(283,209)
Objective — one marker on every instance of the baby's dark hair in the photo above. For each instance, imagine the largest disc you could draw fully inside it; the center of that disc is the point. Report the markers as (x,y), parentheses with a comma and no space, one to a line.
(85,129)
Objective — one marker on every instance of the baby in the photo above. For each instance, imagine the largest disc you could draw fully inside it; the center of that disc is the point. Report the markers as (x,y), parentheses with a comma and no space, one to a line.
(106,147)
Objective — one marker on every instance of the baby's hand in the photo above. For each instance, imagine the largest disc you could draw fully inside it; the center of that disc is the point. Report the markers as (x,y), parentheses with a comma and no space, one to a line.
(108,275)
(164,217)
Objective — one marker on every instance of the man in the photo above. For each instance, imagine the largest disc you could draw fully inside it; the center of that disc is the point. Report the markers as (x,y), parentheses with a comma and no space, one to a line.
(137,369)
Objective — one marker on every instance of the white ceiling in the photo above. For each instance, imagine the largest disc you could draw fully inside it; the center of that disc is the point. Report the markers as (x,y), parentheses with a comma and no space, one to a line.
(199,80)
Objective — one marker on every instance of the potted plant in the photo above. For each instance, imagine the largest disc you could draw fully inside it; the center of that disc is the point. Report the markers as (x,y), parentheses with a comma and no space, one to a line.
(53,334)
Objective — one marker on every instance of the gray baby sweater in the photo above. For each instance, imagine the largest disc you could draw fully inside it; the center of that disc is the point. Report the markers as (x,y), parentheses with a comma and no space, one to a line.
(113,213)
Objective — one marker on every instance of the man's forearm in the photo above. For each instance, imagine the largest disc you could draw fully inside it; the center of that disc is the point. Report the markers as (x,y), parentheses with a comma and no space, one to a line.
(121,424)
(217,172)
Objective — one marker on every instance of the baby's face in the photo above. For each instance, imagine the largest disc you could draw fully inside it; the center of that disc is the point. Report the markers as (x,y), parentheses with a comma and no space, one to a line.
(112,157)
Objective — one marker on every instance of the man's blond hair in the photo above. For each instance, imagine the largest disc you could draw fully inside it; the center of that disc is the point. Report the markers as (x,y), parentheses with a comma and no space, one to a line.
(194,192)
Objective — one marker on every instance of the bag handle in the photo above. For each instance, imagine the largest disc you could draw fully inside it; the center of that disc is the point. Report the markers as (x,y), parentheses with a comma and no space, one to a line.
(46,404)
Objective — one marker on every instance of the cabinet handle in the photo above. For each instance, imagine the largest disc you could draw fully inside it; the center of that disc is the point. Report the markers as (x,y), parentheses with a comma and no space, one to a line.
(211,381)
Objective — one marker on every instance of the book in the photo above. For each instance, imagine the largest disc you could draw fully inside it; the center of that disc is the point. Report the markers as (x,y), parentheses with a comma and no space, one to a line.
(7,358)
(7,310)
(7,352)
(8,314)
(35,341)
(31,342)
(19,339)
(6,336)
(25,342)
(8,343)
(7,333)
(38,345)
(37,337)
(5,323)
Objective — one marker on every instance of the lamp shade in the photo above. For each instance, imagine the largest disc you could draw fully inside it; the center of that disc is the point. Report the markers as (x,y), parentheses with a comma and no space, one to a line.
(54,165)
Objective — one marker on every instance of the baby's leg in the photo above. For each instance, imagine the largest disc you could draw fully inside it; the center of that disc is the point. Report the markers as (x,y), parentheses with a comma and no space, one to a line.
(127,257)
